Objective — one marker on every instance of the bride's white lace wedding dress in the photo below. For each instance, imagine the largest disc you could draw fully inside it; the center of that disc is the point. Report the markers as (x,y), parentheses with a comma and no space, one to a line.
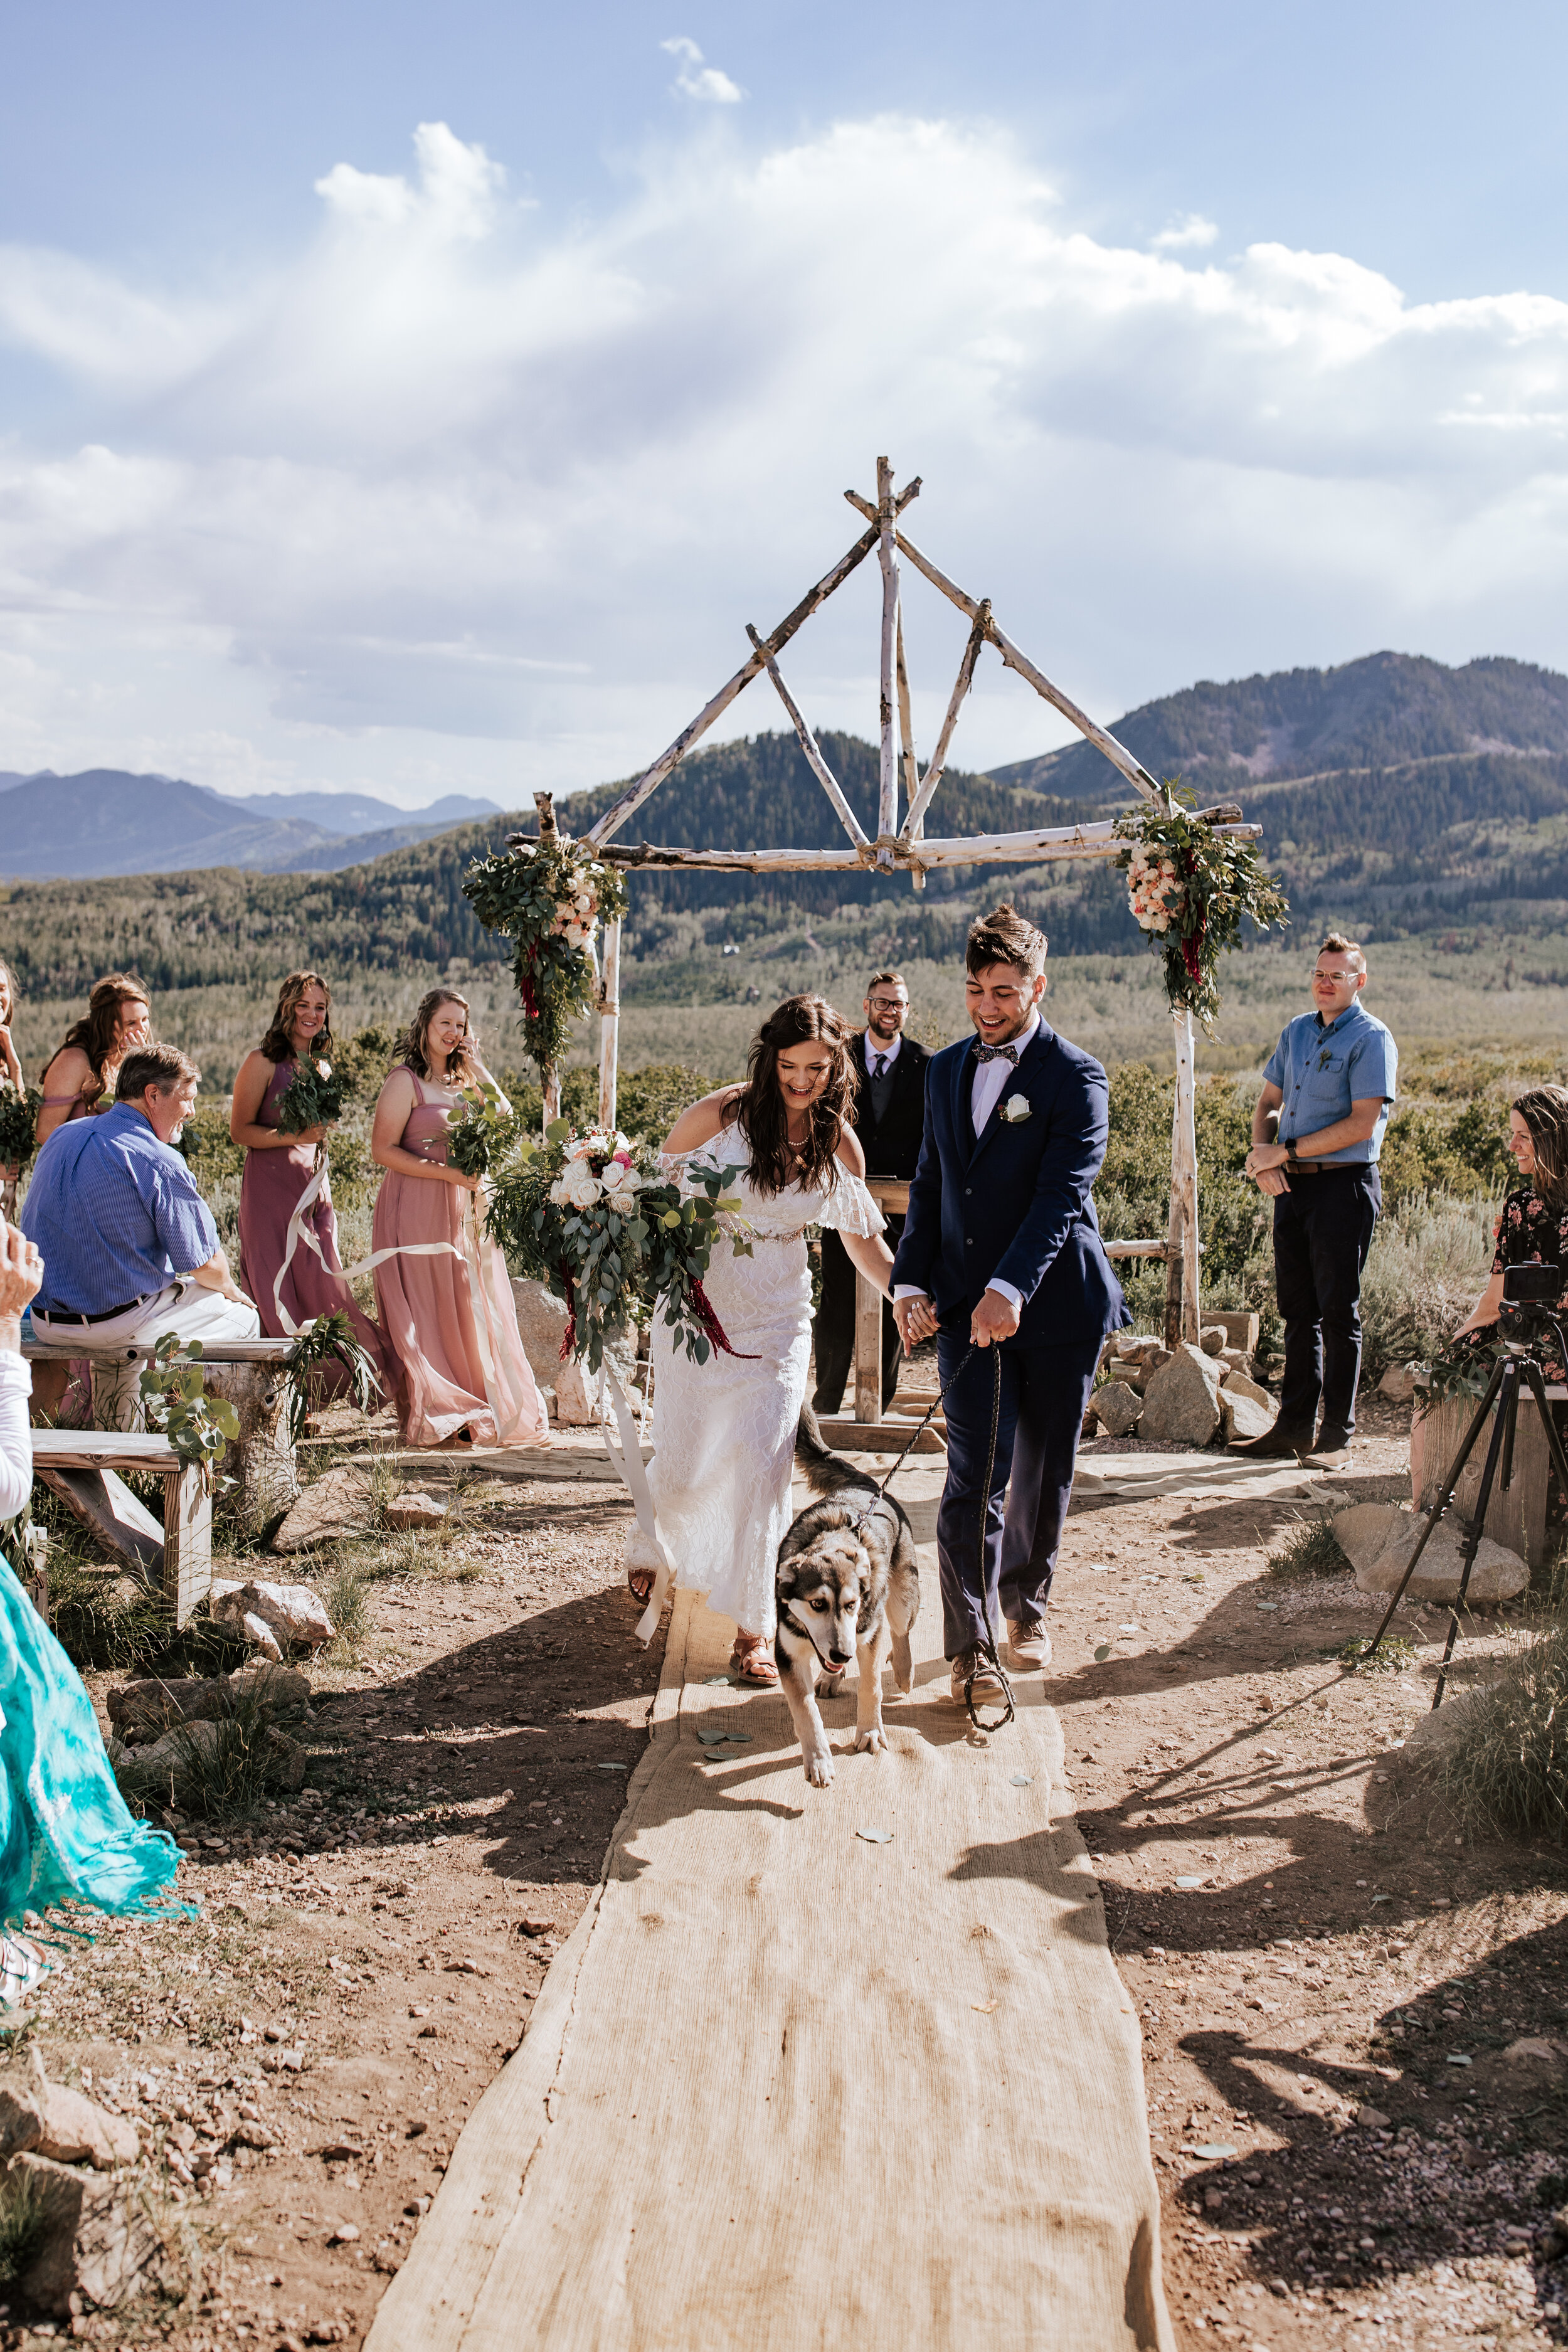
(723,1431)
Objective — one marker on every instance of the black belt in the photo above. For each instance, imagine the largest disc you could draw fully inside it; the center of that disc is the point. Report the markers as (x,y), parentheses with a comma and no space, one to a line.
(1326,1167)
(107,1315)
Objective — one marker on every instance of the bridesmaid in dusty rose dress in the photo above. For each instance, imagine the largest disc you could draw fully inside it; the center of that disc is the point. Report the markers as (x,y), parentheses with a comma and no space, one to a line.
(445,1299)
(277,1169)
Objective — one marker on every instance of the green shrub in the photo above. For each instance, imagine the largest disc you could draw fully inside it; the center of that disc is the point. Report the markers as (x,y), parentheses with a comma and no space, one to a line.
(1309,1549)
(1426,1267)
(1506,1766)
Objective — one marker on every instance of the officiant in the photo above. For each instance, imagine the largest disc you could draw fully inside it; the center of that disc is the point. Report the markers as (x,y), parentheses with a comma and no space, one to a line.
(889,1072)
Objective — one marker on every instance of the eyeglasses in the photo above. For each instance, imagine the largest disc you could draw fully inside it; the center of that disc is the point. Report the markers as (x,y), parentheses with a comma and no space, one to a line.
(1319,974)
(888,1003)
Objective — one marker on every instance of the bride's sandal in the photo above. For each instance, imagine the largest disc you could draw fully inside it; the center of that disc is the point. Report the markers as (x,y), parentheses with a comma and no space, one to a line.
(640,1584)
(752,1659)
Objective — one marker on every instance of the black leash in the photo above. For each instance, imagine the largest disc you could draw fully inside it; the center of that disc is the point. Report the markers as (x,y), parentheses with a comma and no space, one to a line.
(986,1654)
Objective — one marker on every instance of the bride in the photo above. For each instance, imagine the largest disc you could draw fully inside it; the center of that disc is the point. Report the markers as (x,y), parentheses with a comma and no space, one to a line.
(724,1430)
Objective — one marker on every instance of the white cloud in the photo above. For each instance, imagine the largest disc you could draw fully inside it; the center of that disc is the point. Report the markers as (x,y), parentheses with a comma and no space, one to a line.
(1191,230)
(456,494)
(695,80)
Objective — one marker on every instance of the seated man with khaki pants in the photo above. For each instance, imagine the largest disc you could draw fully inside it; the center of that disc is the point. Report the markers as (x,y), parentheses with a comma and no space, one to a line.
(129,1245)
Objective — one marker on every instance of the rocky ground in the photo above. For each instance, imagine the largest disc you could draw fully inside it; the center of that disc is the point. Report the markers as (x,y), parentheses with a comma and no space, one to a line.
(1354,2023)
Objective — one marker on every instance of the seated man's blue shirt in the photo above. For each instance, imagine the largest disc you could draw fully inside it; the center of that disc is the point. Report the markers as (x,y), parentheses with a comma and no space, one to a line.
(1322,1071)
(115,1214)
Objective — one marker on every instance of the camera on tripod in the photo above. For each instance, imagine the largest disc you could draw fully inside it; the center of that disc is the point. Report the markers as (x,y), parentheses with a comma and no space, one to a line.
(1531,1304)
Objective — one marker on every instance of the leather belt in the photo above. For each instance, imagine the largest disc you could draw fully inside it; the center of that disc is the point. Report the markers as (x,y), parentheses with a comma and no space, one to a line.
(1325,1167)
(107,1315)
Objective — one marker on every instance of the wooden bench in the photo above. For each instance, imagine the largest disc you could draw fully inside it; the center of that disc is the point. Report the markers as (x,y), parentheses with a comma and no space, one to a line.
(261,1460)
(85,1467)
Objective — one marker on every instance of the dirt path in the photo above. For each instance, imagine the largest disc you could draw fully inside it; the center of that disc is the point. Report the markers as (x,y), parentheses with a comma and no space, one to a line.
(302,2060)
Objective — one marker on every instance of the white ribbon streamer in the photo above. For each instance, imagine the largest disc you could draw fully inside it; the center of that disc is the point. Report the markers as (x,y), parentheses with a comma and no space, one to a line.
(299,1231)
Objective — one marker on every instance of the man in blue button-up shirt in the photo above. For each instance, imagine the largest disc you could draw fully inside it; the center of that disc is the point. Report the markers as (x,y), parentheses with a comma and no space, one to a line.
(1316,1134)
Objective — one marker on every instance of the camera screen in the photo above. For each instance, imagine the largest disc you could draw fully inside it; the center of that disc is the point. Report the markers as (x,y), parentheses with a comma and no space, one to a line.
(1532,1285)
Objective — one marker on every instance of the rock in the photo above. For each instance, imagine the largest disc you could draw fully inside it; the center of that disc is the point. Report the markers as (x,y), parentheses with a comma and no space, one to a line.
(1181,1403)
(1398,1385)
(286,1760)
(542,1320)
(144,1709)
(1498,1574)
(1235,1360)
(1533,2045)
(343,2234)
(1212,1338)
(1373,2118)
(292,1613)
(1245,1410)
(1117,1408)
(1556,2241)
(166,1767)
(336,1505)
(48,2119)
(576,1398)
(1440,1726)
(93,2244)
(414,1509)
(1363,1531)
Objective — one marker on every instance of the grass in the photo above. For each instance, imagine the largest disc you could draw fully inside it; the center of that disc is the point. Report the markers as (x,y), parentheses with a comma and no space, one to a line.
(226,1774)
(1310,1548)
(1429,1263)
(1394,1655)
(22,2221)
(1506,1768)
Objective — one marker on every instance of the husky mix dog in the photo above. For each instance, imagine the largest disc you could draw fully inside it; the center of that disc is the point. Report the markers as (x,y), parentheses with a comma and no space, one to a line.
(846,1581)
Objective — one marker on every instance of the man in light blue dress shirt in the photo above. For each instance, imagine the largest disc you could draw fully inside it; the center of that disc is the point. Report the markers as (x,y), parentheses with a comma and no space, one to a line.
(130,1247)
(1316,1136)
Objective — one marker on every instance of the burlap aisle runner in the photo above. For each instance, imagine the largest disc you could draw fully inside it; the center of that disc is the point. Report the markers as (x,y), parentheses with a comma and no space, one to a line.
(785,2088)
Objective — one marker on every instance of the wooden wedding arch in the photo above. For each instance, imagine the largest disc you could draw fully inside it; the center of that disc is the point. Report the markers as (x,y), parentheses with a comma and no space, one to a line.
(902,845)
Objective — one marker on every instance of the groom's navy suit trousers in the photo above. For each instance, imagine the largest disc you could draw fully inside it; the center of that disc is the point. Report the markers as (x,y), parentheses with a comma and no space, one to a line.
(1011,1203)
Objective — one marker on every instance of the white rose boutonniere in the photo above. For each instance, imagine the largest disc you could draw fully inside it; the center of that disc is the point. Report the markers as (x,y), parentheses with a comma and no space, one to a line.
(1016,1109)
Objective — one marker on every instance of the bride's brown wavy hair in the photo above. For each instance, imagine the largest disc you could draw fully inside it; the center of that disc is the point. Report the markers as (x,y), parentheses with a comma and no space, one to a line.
(758,1107)
(277,1046)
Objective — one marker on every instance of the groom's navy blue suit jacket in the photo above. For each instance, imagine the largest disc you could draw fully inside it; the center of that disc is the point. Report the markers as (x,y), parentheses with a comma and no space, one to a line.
(1013,1201)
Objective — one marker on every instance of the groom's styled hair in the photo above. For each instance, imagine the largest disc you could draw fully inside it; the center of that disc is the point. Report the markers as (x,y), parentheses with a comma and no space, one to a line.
(1003,937)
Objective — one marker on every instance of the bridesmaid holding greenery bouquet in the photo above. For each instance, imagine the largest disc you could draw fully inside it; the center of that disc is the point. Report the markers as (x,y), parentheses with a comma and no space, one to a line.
(288,1260)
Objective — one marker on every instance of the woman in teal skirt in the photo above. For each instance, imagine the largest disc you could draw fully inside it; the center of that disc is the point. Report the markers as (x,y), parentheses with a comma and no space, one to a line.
(67,1835)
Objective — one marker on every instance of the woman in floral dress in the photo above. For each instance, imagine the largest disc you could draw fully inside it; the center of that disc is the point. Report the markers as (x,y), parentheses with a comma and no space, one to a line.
(1532,1230)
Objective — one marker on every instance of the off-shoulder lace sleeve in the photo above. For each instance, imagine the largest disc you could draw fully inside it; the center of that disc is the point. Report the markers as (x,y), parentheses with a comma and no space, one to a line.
(849,1208)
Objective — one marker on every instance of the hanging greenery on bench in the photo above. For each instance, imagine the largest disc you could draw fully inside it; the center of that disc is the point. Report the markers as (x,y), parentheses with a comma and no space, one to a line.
(330,1339)
(175,1402)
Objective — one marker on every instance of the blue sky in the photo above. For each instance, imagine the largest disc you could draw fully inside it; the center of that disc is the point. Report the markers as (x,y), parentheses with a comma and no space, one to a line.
(338,451)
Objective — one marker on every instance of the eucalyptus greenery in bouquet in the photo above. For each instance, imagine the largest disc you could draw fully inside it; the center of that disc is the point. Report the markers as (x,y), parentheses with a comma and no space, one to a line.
(314,1095)
(175,1402)
(596,1218)
(1190,888)
(19,1110)
(549,898)
(330,1339)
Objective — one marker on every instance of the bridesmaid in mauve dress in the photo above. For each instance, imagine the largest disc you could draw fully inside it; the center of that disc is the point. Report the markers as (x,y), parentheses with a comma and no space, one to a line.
(277,1169)
(442,1289)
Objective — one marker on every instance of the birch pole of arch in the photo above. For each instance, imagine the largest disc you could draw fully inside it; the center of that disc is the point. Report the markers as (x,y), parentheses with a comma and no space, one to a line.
(1183,1302)
(609,1024)
(549,1075)
(887,555)
(913,826)
(810,746)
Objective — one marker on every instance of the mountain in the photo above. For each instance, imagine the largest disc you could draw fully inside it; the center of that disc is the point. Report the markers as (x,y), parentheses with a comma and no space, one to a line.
(106,822)
(1385,710)
(342,815)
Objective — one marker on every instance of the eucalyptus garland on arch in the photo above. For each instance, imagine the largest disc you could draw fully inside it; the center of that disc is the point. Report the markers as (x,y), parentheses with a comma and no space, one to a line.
(549,898)
(1189,887)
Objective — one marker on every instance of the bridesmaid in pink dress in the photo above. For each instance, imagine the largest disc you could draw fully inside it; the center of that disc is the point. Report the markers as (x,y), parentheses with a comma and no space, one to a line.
(442,1289)
(278,1170)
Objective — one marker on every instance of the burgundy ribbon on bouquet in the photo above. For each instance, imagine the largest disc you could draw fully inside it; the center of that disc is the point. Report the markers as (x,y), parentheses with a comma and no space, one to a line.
(525,984)
(1192,940)
(712,1327)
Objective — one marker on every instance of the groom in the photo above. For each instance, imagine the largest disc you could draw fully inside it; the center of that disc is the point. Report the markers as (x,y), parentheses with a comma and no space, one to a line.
(1001,1248)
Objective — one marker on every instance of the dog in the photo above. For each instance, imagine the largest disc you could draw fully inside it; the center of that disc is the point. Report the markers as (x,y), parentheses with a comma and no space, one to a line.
(846,1581)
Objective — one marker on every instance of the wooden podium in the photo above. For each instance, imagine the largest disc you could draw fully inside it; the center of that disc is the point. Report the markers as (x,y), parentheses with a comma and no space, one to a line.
(863,1430)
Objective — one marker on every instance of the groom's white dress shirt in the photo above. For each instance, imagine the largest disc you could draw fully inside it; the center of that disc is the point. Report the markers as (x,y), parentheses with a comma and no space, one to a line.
(991,1081)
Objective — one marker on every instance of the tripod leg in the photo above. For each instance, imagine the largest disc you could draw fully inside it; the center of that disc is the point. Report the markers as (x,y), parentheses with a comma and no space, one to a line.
(1507,1408)
(1454,1472)
(1554,1443)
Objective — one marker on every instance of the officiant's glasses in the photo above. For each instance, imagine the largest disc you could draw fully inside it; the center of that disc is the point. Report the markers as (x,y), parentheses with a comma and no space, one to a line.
(1529,1316)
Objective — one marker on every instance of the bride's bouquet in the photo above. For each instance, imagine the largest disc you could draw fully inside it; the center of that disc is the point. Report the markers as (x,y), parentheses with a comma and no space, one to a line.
(596,1219)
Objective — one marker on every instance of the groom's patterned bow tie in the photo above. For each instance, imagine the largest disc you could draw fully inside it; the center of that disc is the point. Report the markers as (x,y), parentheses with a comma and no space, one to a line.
(996,1053)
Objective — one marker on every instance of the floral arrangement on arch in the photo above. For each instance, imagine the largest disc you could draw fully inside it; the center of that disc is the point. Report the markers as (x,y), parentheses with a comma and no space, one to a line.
(1190,888)
(598,1220)
(548,897)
